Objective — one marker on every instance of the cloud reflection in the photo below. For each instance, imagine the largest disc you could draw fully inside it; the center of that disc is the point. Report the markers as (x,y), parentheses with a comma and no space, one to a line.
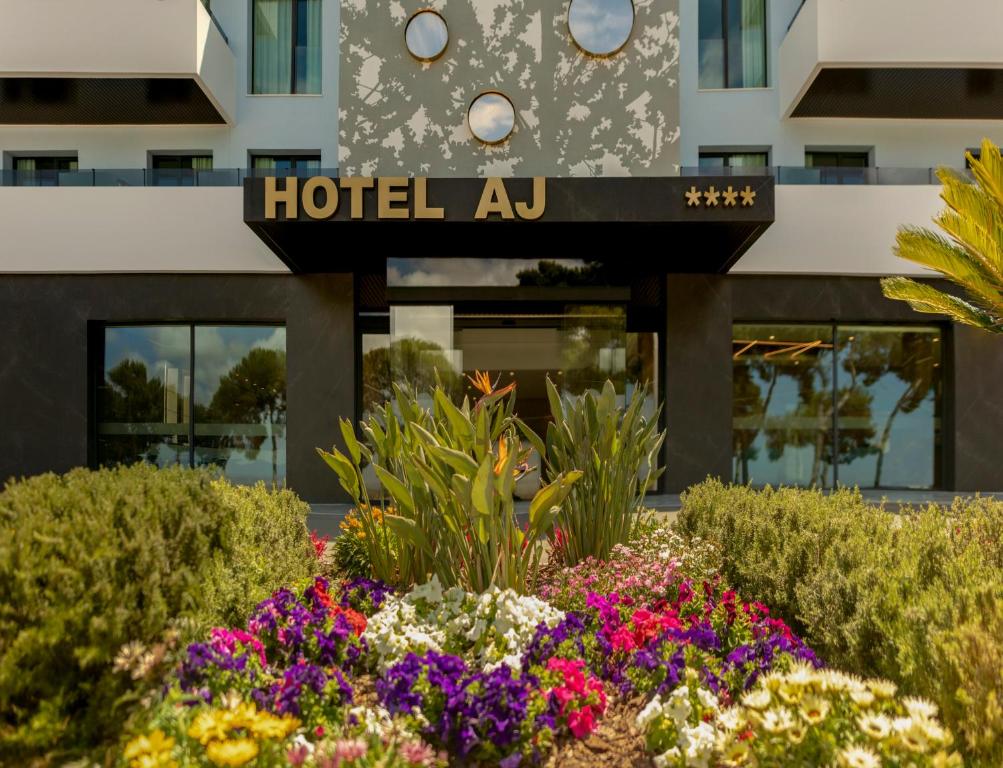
(491,117)
(601,27)
(426,35)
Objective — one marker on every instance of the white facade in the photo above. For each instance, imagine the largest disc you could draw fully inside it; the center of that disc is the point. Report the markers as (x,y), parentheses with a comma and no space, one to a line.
(819,229)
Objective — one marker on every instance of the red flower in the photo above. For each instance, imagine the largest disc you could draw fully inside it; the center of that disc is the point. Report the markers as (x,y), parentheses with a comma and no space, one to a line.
(319,543)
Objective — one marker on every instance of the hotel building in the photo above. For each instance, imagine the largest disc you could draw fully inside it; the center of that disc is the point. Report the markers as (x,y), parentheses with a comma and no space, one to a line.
(226,225)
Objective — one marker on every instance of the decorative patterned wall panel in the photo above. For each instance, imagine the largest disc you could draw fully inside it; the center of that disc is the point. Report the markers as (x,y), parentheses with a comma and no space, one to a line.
(576,115)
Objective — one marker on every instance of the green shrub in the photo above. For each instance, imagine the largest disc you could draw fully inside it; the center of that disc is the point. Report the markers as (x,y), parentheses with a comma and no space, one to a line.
(93,561)
(915,597)
(617,450)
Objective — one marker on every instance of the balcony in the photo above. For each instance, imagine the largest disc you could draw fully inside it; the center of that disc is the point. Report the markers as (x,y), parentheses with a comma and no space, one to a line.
(108,62)
(894,59)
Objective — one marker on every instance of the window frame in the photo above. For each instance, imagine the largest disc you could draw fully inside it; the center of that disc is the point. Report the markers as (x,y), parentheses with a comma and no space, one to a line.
(293,71)
(730,152)
(96,337)
(767,58)
(153,156)
(942,449)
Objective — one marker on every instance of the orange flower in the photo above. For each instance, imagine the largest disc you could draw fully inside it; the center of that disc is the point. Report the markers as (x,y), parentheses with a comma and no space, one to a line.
(502,455)
(482,382)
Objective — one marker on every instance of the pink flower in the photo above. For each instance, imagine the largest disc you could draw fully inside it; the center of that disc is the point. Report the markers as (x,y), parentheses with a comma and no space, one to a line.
(297,755)
(581,723)
(417,753)
(350,749)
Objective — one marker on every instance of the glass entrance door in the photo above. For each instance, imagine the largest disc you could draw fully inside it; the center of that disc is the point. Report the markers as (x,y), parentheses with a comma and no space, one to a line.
(577,346)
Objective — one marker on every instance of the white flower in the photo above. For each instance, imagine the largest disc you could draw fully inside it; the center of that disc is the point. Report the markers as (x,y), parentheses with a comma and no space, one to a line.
(777,720)
(430,592)
(876,726)
(663,760)
(707,699)
(651,710)
(757,699)
(678,707)
(729,719)
(698,744)
(859,757)
(920,709)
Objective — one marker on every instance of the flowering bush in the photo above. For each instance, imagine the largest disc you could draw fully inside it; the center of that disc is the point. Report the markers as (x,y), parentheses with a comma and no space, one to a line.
(646,569)
(351,550)
(803,717)
(490,629)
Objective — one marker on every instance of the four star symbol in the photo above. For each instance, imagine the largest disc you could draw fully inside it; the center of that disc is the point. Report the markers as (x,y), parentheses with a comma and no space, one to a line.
(712,197)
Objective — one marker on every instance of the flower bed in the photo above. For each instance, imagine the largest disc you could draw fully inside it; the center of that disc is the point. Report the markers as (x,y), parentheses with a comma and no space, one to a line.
(361,676)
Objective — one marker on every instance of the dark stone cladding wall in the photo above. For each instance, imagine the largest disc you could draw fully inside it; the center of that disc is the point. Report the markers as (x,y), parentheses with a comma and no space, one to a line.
(44,357)
(700,311)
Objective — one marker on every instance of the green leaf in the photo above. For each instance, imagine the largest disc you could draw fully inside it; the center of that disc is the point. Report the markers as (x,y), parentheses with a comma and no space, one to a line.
(347,475)
(551,496)
(348,434)
(401,495)
(408,530)
(460,425)
(483,490)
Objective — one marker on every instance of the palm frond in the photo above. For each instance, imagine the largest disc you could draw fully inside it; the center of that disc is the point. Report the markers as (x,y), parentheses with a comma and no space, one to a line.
(975,221)
(988,170)
(926,298)
(928,249)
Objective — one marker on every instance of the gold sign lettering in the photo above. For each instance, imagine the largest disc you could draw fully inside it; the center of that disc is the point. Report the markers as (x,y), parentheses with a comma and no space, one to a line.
(421,209)
(273,196)
(494,199)
(532,213)
(330,205)
(321,196)
(391,189)
(355,184)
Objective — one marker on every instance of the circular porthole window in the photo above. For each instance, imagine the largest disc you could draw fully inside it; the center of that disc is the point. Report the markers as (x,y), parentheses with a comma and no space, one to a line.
(491,117)
(601,27)
(426,35)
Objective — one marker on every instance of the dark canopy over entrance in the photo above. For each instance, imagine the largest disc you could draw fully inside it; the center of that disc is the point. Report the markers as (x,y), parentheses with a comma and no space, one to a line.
(678,224)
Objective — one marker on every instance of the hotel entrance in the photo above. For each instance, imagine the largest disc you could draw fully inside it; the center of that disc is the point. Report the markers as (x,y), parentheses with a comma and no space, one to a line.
(577,336)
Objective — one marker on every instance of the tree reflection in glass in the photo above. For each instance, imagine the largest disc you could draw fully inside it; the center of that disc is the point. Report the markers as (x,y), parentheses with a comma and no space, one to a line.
(890,405)
(142,397)
(240,401)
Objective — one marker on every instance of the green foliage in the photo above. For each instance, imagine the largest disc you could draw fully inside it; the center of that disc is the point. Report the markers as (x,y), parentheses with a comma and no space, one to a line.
(93,561)
(617,451)
(450,473)
(971,254)
(914,597)
(351,552)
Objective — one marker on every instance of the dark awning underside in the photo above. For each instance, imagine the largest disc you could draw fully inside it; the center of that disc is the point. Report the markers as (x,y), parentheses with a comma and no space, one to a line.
(105,101)
(919,93)
(639,220)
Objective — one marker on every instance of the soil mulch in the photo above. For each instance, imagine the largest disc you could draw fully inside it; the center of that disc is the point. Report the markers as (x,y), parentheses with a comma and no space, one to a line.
(616,743)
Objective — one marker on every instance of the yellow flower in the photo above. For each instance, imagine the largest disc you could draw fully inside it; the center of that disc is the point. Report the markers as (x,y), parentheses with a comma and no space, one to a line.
(778,720)
(268,726)
(210,725)
(153,751)
(736,755)
(944,760)
(814,709)
(482,382)
(232,753)
(796,733)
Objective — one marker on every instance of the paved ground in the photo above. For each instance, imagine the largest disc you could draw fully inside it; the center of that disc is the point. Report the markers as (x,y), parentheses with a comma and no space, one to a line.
(324,518)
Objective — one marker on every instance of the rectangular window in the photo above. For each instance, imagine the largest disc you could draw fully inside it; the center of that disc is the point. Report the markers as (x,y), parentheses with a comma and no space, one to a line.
(195,395)
(826,405)
(732,44)
(734,159)
(286,55)
(181,170)
(41,170)
(839,167)
(288,164)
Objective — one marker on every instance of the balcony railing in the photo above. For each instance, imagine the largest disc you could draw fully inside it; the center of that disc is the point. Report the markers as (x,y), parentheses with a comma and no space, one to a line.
(150,177)
(234,177)
(807,176)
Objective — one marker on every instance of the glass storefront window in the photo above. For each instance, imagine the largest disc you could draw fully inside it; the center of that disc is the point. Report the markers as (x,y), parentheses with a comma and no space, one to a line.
(428,272)
(237,421)
(143,395)
(240,401)
(870,395)
(889,406)
(782,405)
